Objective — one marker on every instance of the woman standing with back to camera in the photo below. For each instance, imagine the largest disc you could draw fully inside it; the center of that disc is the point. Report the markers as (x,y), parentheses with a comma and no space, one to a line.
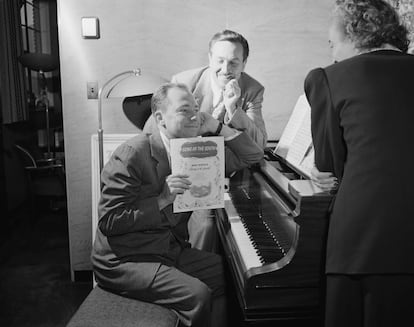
(362,126)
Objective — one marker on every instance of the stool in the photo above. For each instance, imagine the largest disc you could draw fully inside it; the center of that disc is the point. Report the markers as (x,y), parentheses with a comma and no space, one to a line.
(105,309)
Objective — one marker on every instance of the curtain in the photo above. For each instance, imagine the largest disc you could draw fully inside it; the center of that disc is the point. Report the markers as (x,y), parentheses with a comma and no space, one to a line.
(12,79)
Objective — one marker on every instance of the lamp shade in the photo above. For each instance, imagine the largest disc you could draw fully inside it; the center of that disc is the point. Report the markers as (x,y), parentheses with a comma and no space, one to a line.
(139,83)
(39,61)
(137,109)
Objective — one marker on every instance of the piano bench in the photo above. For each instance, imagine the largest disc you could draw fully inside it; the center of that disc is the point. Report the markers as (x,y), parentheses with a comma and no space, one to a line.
(104,309)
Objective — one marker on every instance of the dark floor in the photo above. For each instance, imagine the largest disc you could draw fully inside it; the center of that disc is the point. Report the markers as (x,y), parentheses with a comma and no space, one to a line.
(35,285)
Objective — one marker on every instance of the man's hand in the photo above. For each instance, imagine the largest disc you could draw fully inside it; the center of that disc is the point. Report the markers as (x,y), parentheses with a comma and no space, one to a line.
(324,180)
(207,123)
(174,184)
(231,95)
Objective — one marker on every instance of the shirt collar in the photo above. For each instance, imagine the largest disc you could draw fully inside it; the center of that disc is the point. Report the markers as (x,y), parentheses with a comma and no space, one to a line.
(385,46)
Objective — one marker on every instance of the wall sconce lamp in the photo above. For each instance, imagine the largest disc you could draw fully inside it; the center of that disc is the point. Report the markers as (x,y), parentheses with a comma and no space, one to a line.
(131,83)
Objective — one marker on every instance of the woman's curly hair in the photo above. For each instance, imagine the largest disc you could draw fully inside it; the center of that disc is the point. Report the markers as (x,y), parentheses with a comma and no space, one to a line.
(371,23)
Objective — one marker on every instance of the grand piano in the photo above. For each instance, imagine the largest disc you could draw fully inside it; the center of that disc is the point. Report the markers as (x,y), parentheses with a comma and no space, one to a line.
(273,231)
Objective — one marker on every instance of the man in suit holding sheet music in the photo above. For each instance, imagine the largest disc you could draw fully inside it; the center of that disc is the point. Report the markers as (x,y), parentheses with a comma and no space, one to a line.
(141,248)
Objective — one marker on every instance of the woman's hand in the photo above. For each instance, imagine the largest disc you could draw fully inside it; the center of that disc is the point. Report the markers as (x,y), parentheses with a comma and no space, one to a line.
(324,180)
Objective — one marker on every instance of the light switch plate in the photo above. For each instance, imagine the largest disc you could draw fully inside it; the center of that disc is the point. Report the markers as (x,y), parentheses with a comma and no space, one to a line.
(92,90)
(90,28)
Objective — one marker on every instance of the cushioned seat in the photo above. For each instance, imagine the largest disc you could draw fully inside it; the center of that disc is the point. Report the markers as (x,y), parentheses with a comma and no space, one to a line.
(104,309)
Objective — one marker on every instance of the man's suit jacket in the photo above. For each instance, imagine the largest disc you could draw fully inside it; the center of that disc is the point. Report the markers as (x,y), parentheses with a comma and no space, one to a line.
(249,119)
(362,118)
(131,228)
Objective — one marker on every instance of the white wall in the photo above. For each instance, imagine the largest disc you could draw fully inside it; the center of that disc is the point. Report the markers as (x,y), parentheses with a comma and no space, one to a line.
(287,38)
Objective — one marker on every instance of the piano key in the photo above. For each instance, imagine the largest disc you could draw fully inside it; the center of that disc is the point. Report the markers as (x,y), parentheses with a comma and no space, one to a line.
(263,238)
(242,238)
(248,252)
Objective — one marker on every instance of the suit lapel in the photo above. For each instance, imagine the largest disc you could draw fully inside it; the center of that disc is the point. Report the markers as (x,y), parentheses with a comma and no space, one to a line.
(177,221)
(159,153)
(203,93)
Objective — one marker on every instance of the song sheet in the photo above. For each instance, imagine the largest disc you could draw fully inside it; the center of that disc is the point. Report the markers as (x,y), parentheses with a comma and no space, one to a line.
(202,159)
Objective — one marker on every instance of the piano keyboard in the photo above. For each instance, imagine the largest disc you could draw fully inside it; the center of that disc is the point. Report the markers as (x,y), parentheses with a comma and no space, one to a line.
(260,238)
(242,238)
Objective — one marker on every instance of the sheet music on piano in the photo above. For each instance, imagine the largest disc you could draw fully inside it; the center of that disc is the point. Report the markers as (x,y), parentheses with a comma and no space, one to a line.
(295,144)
